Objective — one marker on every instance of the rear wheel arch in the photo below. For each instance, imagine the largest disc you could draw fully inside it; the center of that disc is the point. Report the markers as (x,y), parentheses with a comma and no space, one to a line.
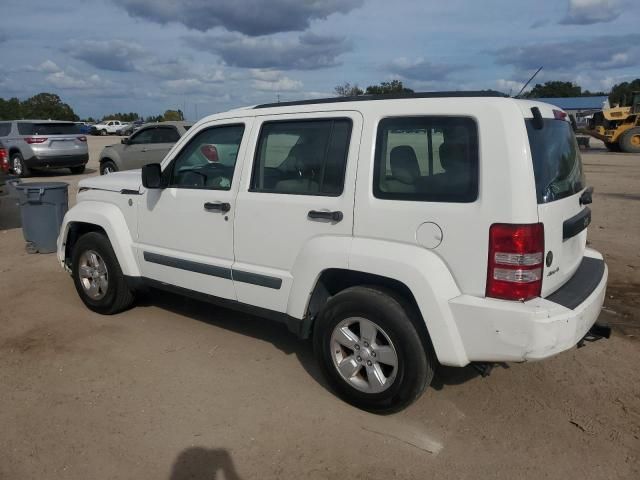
(334,280)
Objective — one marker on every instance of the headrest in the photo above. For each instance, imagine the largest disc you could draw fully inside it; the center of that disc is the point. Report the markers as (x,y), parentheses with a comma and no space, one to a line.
(454,155)
(404,164)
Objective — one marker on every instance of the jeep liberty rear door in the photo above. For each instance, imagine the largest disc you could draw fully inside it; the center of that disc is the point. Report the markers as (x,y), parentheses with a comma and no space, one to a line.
(561,197)
(296,199)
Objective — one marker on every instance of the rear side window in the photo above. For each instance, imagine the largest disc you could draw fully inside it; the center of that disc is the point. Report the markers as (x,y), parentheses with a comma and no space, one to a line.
(557,164)
(5,129)
(49,128)
(302,157)
(432,159)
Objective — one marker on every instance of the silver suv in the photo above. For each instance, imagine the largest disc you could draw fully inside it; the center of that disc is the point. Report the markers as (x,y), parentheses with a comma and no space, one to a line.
(44,144)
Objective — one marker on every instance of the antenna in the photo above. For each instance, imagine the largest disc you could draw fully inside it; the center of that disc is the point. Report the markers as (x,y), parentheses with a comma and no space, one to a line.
(528,82)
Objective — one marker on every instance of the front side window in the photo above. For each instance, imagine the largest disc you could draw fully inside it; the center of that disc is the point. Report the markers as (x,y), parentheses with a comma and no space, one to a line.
(208,160)
(432,159)
(304,157)
(142,137)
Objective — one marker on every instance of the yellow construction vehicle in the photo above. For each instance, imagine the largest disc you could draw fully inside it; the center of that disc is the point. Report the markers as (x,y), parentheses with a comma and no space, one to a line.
(618,127)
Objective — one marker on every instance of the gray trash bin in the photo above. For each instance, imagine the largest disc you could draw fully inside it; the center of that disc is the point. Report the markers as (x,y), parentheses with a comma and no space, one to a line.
(42,208)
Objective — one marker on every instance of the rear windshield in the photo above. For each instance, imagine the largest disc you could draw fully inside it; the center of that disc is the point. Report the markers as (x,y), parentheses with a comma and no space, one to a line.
(48,128)
(557,164)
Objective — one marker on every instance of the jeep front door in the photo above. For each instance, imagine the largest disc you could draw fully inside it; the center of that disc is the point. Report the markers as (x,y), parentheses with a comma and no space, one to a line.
(186,229)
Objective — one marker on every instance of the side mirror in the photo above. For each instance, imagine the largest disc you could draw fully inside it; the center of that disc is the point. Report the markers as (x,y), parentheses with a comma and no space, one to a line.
(125,141)
(152,176)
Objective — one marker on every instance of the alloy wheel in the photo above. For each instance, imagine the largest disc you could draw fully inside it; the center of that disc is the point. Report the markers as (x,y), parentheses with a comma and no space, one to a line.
(93,274)
(364,355)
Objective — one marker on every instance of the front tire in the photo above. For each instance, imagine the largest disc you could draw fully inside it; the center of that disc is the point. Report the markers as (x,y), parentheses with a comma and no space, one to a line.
(18,165)
(97,275)
(103,132)
(369,347)
(108,167)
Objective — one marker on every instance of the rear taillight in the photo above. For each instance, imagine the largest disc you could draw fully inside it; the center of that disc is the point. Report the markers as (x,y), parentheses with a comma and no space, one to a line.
(4,160)
(31,140)
(82,139)
(516,253)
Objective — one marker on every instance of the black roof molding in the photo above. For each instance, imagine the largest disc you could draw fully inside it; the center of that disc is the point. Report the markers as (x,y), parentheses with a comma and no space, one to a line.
(394,96)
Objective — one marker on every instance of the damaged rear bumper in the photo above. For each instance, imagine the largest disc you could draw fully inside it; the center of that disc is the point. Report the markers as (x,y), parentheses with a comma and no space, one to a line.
(496,330)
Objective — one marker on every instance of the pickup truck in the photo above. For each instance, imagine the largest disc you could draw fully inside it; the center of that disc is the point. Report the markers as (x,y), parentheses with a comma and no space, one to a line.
(108,127)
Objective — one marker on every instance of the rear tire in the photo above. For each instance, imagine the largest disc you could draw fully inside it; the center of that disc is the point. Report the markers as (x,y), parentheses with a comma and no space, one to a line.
(78,170)
(359,335)
(97,275)
(18,165)
(107,167)
(630,141)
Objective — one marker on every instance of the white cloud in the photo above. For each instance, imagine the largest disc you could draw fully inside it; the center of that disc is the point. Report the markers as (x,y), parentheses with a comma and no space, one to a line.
(184,86)
(509,86)
(273,81)
(73,80)
(284,84)
(588,12)
(48,66)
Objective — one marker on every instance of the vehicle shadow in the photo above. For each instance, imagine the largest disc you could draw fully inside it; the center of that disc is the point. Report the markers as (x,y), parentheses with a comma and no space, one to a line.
(243,323)
(9,212)
(199,463)
(278,335)
(450,376)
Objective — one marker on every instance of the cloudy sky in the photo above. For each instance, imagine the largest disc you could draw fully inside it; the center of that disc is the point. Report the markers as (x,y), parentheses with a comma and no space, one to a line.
(105,56)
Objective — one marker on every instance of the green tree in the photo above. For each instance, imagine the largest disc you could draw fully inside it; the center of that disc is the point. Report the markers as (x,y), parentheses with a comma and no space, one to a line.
(123,117)
(47,106)
(10,109)
(348,90)
(173,115)
(621,94)
(386,88)
(555,89)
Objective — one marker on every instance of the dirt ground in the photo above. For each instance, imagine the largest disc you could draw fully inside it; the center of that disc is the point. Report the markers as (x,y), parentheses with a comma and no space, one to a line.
(176,389)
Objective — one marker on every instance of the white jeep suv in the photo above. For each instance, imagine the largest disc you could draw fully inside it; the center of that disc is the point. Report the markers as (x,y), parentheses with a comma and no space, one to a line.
(399,233)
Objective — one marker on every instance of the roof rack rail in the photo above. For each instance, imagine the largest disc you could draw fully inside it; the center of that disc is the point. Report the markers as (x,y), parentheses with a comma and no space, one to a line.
(393,96)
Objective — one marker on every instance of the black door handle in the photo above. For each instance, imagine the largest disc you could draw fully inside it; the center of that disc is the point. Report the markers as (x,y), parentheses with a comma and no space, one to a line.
(322,215)
(217,207)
